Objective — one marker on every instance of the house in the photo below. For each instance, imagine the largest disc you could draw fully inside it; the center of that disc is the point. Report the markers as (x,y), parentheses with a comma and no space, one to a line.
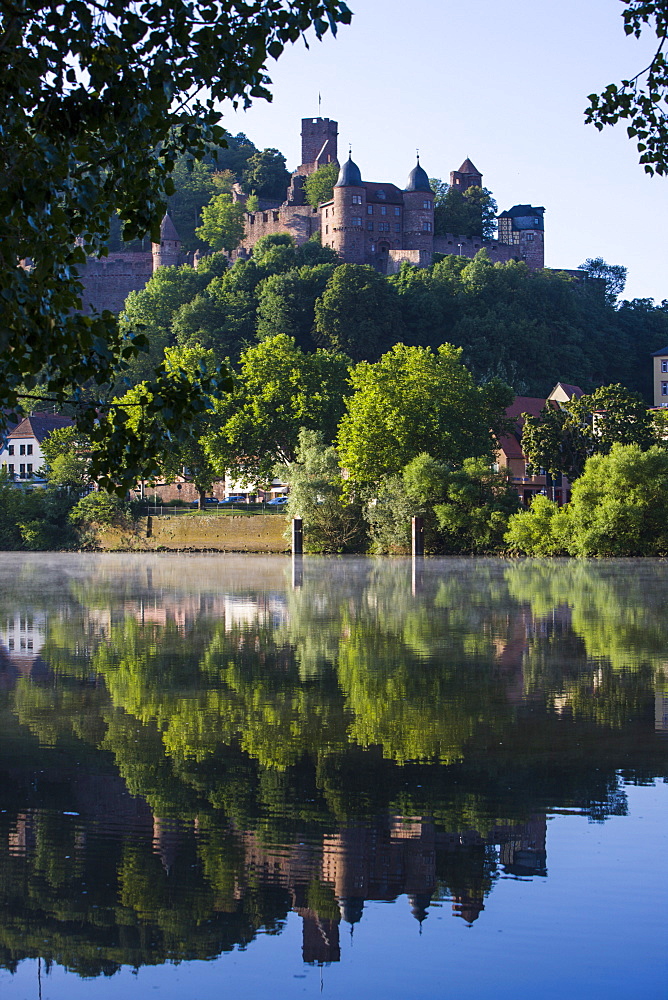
(21,455)
(660,377)
(511,459)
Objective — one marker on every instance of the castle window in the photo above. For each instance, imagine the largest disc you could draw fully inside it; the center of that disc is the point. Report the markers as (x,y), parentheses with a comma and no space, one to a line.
(357,199)
(380,195)
(384,227)
(326,230)
(664,367)
(356,221)
(426,227)
(529,237)
(383,209)
(426,203)
(397,227)
(369,226)
(664,392)
(397,210)
(369,210)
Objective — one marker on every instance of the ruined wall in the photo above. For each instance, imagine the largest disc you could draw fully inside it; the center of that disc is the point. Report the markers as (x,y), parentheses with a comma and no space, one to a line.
(468,247)
(109,280)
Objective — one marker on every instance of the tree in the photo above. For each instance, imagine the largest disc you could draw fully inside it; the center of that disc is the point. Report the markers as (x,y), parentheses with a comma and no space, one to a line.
(416,400)
(319,185)
(278,390)
(561,439)
(223,223)
(613,276)
(97,102)
(357,313)
(67,457)
(330,523)
(640,100)
(266,175)
(286,303)
(471,213)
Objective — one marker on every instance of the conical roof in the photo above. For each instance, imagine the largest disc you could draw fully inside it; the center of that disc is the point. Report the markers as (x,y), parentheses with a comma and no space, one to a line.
(468,168)
(418,179)
(349,175)
(168,230)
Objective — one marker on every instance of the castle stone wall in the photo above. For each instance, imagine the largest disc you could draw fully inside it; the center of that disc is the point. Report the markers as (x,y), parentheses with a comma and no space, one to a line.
(109,280)
(300,221)
(499,253)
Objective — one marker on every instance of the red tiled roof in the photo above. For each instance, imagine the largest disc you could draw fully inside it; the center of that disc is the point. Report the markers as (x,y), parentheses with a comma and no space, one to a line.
(525,404)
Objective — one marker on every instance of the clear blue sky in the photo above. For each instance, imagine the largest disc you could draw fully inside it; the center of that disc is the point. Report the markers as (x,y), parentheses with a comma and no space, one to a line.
(503,83)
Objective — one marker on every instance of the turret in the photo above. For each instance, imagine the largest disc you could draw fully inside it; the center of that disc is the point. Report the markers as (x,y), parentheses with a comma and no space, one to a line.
(342,219)
(418,211)
(319,144)
(467,176)
(167,253)
(522,226)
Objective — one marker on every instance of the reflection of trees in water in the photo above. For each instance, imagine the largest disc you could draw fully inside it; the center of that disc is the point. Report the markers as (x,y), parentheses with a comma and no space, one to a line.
(262,728)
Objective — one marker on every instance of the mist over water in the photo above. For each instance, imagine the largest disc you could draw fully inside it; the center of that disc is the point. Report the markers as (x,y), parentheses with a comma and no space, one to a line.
(360,776)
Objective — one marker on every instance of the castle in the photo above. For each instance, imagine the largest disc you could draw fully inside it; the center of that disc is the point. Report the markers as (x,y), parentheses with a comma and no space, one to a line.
(377,223)
(366,222)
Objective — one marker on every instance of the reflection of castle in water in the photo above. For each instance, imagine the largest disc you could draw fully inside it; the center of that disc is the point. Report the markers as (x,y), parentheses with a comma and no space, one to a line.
(387,859)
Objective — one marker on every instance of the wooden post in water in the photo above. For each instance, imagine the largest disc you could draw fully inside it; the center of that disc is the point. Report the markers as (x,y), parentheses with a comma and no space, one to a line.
(297,536)
(418,536)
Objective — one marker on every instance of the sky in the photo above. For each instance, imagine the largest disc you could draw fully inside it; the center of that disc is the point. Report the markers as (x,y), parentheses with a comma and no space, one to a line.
(505,84)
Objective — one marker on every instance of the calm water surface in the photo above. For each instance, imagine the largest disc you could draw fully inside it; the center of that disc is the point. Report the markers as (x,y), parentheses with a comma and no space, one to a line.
(340,777)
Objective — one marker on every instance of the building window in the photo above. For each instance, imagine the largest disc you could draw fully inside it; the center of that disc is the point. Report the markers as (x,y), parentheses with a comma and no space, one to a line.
(326,213)
(22,471)
(384,227)
(357,199)
(397,210)
(380,195)
(397,227)
(326,230)
(426,203)
(29,468)
(356,221)
(369,210)
(426,227)
(529,237)
(369,226)
(664,367)
(10,469)
(22,449)
(664,392)
(383,209)
(10,449)
(28,449)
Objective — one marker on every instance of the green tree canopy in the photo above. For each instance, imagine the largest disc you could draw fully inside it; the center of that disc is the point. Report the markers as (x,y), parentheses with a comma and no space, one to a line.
(223,224)
(319,185)
(357,313)
(416,400)
(98,101)
(266,175)
(641,100)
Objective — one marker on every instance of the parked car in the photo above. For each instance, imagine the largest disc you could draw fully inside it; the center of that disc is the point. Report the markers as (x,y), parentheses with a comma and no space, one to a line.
(277,502)
(234,498)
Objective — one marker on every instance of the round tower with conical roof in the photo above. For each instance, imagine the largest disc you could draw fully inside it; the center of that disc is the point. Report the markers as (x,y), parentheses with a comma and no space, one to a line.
(342,225)
(418,231)
(167,253)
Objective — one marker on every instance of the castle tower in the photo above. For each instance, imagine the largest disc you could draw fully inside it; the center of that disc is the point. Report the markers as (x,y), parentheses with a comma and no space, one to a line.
(343,218)
(418,231)
(167,253)
(522,226)
(319,145)
(467,176)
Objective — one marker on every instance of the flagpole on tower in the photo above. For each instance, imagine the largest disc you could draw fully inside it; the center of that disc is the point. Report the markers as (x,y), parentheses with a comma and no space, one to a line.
(319,104)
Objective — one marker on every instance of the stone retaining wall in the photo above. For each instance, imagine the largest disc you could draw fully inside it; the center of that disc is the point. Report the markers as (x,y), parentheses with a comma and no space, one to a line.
(199,532)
